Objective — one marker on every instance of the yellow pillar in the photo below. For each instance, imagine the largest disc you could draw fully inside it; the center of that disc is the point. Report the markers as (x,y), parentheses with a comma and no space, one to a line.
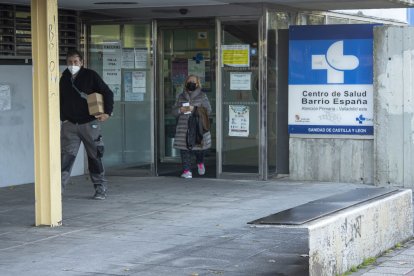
(46,112)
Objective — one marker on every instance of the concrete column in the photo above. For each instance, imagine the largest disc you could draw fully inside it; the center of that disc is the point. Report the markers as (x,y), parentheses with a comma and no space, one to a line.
(393,106)
(46,112)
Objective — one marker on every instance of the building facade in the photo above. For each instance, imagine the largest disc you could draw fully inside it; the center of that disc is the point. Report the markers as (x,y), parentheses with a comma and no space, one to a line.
(144,56)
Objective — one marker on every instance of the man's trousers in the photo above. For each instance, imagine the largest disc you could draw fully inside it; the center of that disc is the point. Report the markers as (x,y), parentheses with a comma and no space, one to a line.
(90,135)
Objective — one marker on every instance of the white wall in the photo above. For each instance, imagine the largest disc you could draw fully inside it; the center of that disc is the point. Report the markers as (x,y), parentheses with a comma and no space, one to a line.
(16,129)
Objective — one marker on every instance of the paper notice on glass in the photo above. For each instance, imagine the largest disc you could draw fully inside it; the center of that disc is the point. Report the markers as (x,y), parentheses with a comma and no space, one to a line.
(5,97)
(240,81)
(116,89)
(239,120)
(235,55)
(141,56)
(197,69)
(111,62)
(129,95)
(128,58)
(139,81)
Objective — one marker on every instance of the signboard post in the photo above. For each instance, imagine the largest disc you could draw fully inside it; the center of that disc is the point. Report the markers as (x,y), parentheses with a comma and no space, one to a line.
(331,80)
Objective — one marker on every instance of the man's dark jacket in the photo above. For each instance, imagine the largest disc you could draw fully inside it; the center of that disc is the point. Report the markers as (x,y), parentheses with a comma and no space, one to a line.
(75,108)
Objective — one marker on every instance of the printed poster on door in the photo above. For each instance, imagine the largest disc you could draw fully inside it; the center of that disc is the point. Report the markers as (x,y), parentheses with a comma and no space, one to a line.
(331,79)
(141,56)
(128,58)
(239,120)
(134,86)
(112,62)
(235,55)
(240,81)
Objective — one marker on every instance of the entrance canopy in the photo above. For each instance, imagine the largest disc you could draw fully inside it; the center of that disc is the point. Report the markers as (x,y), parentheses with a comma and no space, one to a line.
(89,5)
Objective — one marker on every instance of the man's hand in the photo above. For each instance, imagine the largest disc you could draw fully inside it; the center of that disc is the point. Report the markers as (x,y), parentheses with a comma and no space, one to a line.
(102,117)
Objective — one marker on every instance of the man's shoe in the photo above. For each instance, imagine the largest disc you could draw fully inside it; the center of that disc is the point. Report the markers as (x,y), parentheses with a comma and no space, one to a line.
(187,174)
(99,196)
(201,169)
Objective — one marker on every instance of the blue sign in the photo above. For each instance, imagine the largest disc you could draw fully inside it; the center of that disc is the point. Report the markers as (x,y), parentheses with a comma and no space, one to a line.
(331,79)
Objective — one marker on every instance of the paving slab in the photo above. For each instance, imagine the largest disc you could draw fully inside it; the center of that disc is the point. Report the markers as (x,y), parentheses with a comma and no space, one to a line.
(160,226)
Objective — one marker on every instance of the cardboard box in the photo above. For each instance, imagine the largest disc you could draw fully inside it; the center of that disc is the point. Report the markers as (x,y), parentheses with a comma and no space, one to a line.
(95,104)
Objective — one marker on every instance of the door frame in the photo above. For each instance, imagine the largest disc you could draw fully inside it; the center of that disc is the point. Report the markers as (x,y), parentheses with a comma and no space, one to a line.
(158,46)
(262,173)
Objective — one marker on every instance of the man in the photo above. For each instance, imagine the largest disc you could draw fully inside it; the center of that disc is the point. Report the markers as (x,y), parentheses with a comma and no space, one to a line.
(77,125)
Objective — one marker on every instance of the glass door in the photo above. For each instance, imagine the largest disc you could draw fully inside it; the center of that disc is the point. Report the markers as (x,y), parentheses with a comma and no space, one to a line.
(184,48)
(121,54)
(239,96)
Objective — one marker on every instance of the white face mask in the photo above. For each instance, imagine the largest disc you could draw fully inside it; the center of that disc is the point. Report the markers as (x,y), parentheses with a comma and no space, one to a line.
(73,69)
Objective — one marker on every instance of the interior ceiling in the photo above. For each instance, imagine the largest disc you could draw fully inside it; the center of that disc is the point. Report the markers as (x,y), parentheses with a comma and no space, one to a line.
(88,5)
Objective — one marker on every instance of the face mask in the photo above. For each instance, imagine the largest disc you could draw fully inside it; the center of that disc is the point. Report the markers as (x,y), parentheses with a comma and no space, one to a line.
(73,69)
(191,86)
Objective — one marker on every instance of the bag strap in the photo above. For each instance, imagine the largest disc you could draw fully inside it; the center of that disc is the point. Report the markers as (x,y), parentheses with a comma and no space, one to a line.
(82,94)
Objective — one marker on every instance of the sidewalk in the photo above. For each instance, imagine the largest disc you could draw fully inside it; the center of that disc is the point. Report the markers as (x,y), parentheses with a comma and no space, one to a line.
(165,226)
(398,261)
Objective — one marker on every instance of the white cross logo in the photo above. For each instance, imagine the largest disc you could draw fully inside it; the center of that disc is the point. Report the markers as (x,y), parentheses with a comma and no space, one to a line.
(335,62)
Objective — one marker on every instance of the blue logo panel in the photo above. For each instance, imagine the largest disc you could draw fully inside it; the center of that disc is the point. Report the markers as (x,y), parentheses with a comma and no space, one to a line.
(331,79)
(301,53)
